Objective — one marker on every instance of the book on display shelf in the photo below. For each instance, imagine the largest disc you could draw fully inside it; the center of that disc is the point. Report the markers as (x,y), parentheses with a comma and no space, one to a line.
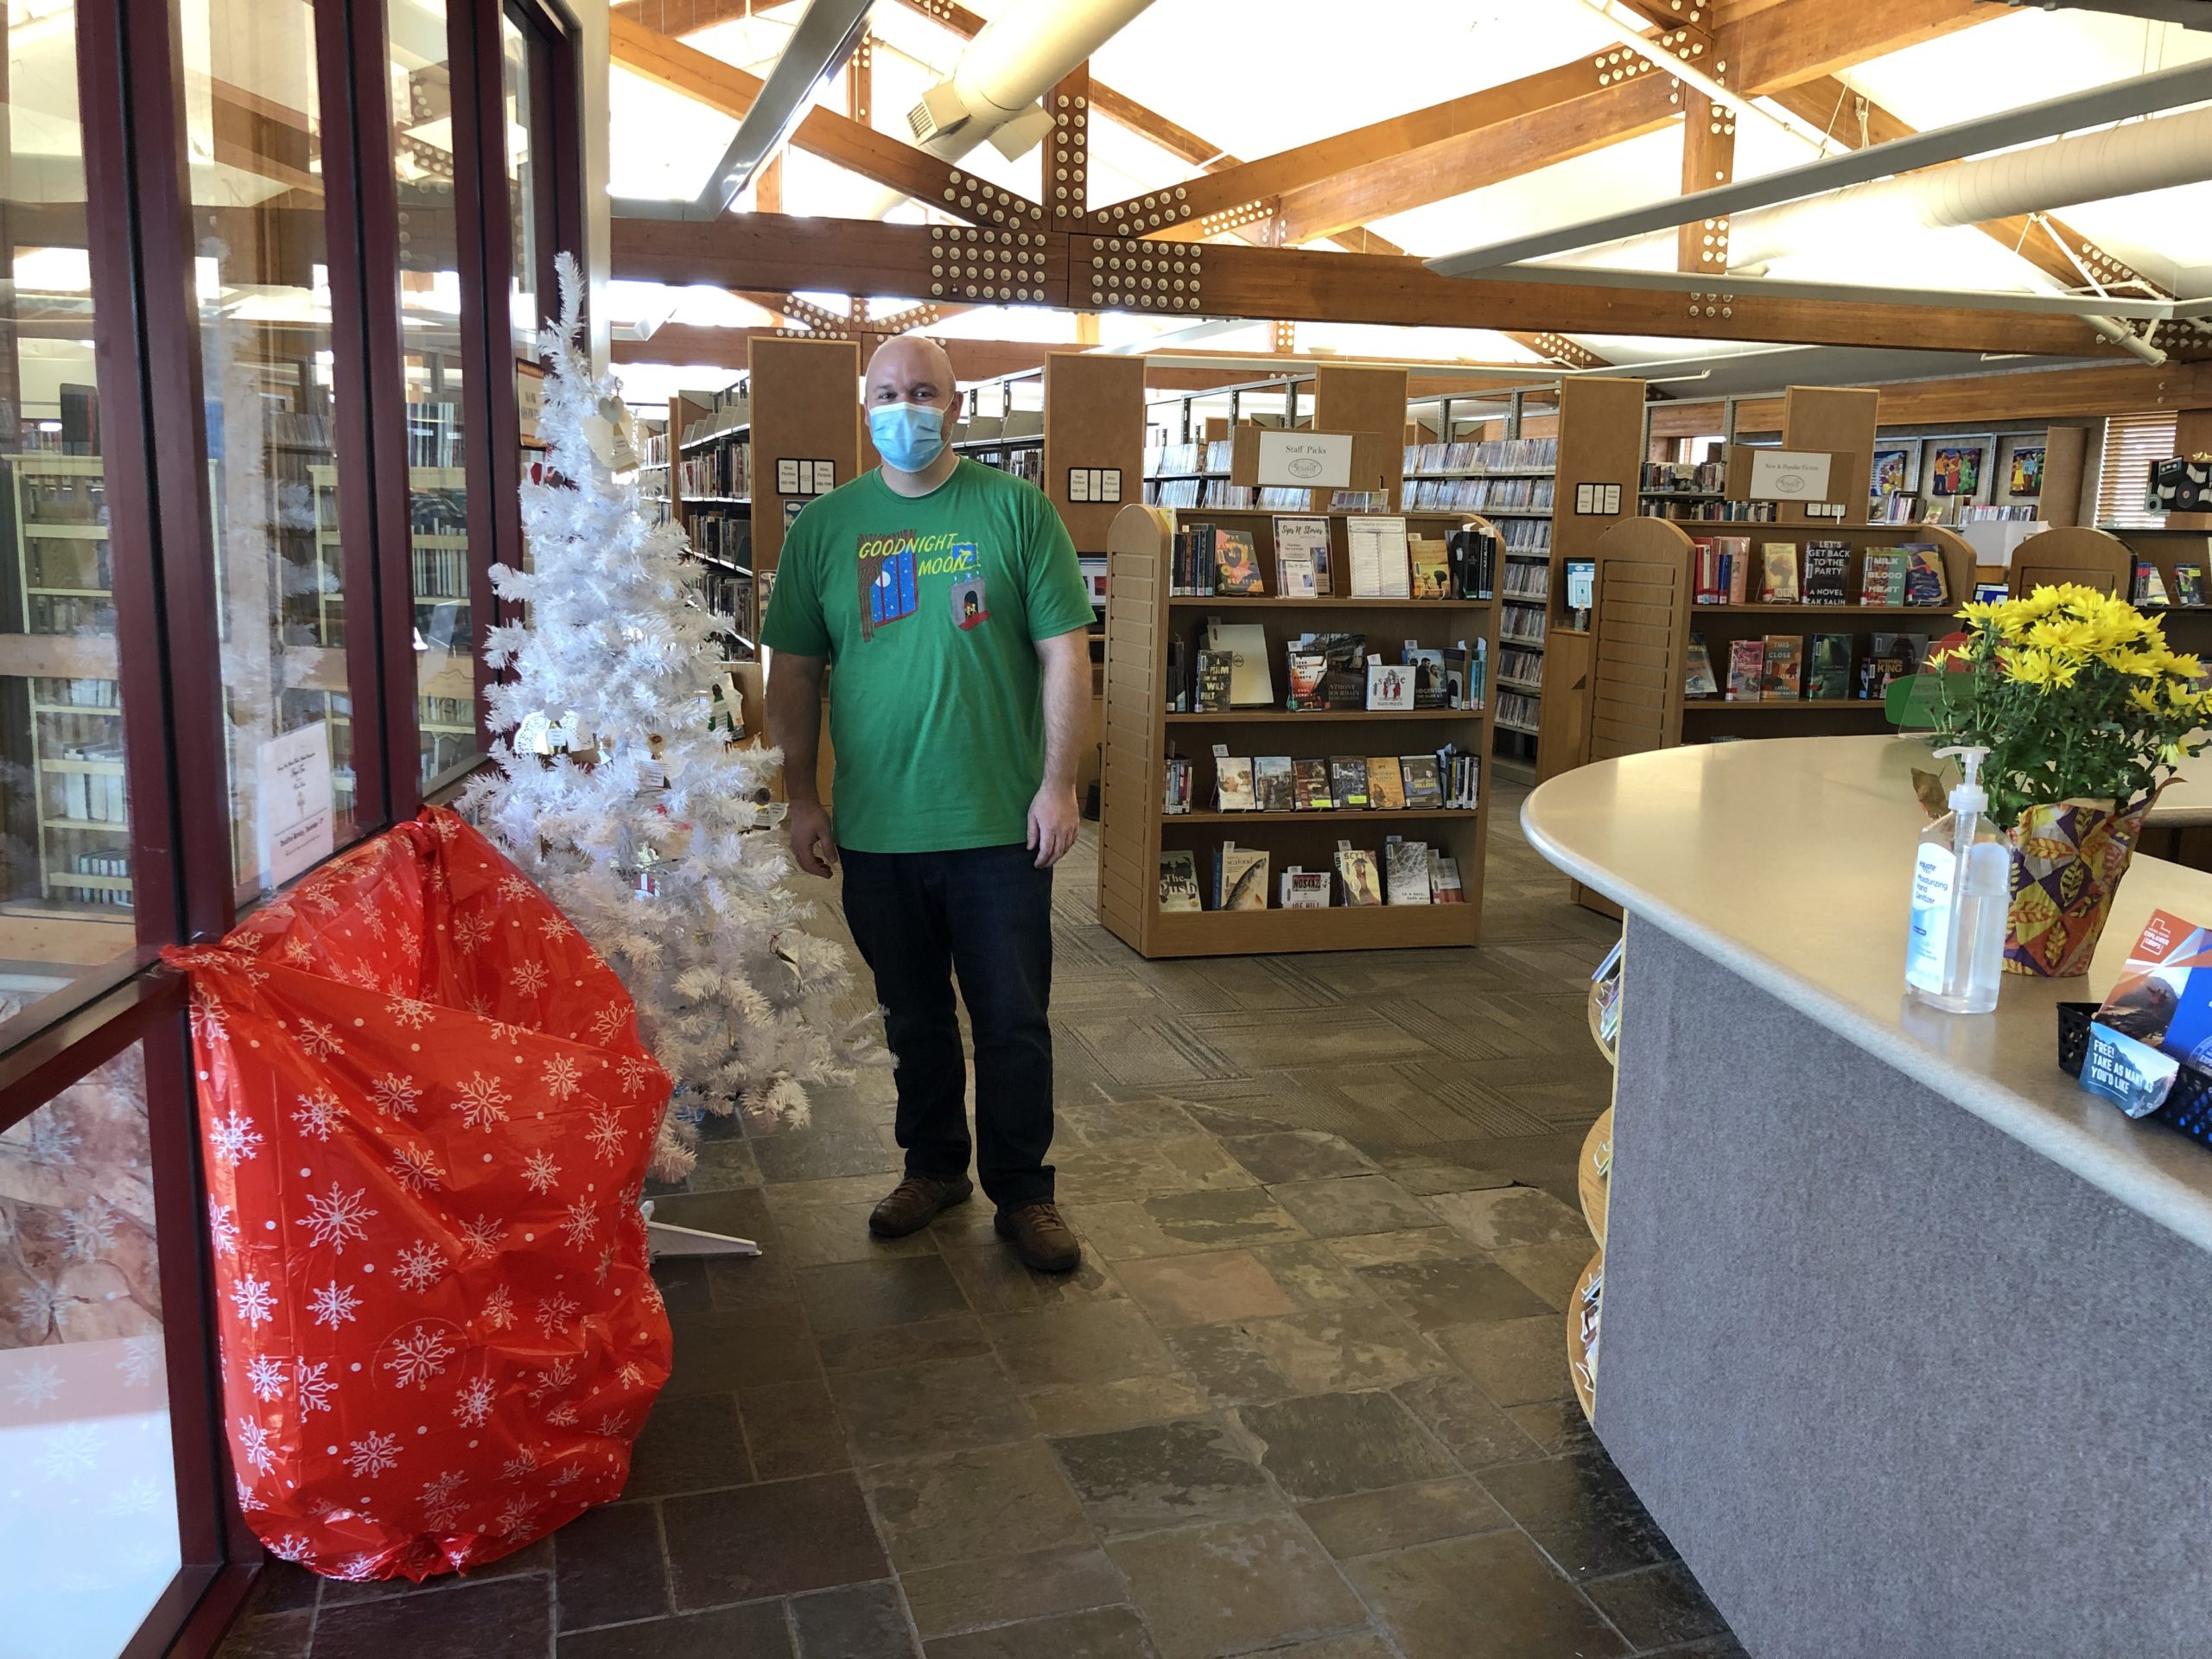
(1240,878)
(1444,883)
(1310,784)
(1427,663)
(1891,657)
(1303,889)
(1182,682)
(1236,564)
(1271,783)
(1782,674)
(1405,866)
(1829,667)
(1882,579)
(1386,783)
(1699,681)
(1777,573)
(1924,582)
(1309,674)
(1357,869)
(1175,796)
(1424,787)
(1210,691)
(1828,573)
(2150,585)
(1178,882)
(1348,781)
(2189,584)
(1389,687)
(1233,790)
(1429,560)
(1746,667)
(1302,550)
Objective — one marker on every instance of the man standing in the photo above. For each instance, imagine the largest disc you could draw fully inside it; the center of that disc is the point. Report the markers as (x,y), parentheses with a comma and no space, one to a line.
(949,597)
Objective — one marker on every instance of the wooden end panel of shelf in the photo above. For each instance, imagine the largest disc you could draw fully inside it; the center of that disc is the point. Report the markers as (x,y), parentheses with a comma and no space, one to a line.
(1600,442)
(1130,777)
(1349,398)
(1636,691)
(805,407)
(1838,419)
(2093,558)
(2065,460)
(1094,416)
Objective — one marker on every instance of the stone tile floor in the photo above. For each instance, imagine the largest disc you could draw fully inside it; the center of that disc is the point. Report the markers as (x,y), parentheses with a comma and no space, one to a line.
(1307,1396)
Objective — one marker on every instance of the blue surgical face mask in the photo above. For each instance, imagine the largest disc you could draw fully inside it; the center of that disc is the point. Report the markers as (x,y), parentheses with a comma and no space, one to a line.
(909,436)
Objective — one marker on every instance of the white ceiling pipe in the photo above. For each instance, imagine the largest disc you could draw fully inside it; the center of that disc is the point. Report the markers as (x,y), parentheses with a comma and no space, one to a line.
(1012,63)
(2123,160)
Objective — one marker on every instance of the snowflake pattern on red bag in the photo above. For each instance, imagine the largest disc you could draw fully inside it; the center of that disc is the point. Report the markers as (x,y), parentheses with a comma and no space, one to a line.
(427,1117)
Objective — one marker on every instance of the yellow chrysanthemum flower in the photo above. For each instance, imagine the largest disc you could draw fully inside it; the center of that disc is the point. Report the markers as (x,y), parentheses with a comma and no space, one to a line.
(2031,667)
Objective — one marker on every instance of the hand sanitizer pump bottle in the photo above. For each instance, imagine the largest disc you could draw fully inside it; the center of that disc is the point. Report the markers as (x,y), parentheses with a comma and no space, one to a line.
(1962,888)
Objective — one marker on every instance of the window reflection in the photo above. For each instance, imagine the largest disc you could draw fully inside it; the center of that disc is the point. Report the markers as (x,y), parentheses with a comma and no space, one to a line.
(253,125)
(65,828)
(422,108)
(88,1512)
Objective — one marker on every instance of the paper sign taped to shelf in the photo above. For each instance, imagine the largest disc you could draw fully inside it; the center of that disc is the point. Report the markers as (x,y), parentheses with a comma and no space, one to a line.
(1310,459)
(1787,475)
(297,828)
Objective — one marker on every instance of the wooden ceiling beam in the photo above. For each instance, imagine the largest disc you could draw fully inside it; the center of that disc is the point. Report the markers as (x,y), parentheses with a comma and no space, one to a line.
(1583,106)
(839,138)
(777,252)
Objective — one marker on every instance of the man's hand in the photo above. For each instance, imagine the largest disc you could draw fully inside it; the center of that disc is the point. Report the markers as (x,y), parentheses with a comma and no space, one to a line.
(1052,825)
(813,843)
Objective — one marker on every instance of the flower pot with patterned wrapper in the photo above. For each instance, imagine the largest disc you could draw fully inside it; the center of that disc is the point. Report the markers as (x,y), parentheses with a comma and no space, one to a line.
(2068,858)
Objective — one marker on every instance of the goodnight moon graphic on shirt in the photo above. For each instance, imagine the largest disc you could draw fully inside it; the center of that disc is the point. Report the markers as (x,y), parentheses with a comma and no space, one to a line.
(892,568)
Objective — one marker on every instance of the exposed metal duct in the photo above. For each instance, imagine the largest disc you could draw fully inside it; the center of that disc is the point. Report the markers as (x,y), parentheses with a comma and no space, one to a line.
(1011,63)
(2123,160)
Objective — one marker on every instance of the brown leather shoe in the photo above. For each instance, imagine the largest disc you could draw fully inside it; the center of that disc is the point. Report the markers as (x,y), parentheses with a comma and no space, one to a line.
(915,1202)
(1039,1236)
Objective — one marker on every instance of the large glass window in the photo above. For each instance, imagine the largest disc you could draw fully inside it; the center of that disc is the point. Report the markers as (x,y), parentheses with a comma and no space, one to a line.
(253,125)
(88,1506)
(429,282)
(65,830)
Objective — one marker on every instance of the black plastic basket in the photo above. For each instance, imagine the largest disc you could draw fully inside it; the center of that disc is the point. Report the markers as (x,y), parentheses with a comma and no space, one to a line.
(2188,1107)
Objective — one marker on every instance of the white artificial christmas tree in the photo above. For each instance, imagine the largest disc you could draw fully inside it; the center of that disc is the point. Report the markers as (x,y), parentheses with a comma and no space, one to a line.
(735,998)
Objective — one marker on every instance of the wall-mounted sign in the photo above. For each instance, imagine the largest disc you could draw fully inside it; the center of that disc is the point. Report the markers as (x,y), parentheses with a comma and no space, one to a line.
(1097,484)
(796,477)
(1597,500)
(297,831)
(1317,460)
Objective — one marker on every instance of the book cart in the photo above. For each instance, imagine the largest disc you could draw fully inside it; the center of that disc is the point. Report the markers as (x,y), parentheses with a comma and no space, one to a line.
(1645,616)
(1141,618)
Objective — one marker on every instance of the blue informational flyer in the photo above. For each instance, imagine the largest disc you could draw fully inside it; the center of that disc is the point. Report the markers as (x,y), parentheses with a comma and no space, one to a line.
(2164,995)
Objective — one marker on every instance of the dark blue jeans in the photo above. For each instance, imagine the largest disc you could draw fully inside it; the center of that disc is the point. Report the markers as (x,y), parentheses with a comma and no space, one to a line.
(984,915)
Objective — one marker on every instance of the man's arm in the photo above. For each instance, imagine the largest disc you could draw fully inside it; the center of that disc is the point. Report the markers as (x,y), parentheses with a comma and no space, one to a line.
(1065,661)
(795,727)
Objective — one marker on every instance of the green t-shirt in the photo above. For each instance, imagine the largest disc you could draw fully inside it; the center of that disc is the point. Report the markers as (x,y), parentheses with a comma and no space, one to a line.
(929,607)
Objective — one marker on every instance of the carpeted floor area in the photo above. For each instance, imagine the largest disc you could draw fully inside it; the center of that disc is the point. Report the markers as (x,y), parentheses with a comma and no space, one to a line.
(1307,1396)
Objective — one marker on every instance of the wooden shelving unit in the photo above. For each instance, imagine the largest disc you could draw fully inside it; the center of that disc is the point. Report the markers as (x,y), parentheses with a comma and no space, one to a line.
(1140,733)
(1644,618)
(2106,560)
(708,455)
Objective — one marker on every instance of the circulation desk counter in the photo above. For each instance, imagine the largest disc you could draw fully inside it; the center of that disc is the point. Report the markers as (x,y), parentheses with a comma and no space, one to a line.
(1905,1338)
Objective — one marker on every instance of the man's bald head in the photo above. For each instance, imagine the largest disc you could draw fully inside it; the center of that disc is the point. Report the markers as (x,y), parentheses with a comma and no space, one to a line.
(911,369)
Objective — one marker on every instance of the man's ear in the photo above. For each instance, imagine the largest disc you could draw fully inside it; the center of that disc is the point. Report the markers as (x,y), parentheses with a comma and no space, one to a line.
(952,409)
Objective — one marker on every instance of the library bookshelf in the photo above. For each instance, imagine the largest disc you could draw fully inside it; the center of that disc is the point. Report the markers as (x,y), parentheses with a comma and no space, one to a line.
(1644,618)
(2106,560)
(1141,617)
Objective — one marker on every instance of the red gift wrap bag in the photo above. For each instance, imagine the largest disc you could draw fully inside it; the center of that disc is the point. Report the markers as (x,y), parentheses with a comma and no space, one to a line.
(426,1115)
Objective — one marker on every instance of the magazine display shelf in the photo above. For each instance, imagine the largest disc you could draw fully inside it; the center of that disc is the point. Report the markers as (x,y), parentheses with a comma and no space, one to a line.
(1140,619)
(1644,618)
